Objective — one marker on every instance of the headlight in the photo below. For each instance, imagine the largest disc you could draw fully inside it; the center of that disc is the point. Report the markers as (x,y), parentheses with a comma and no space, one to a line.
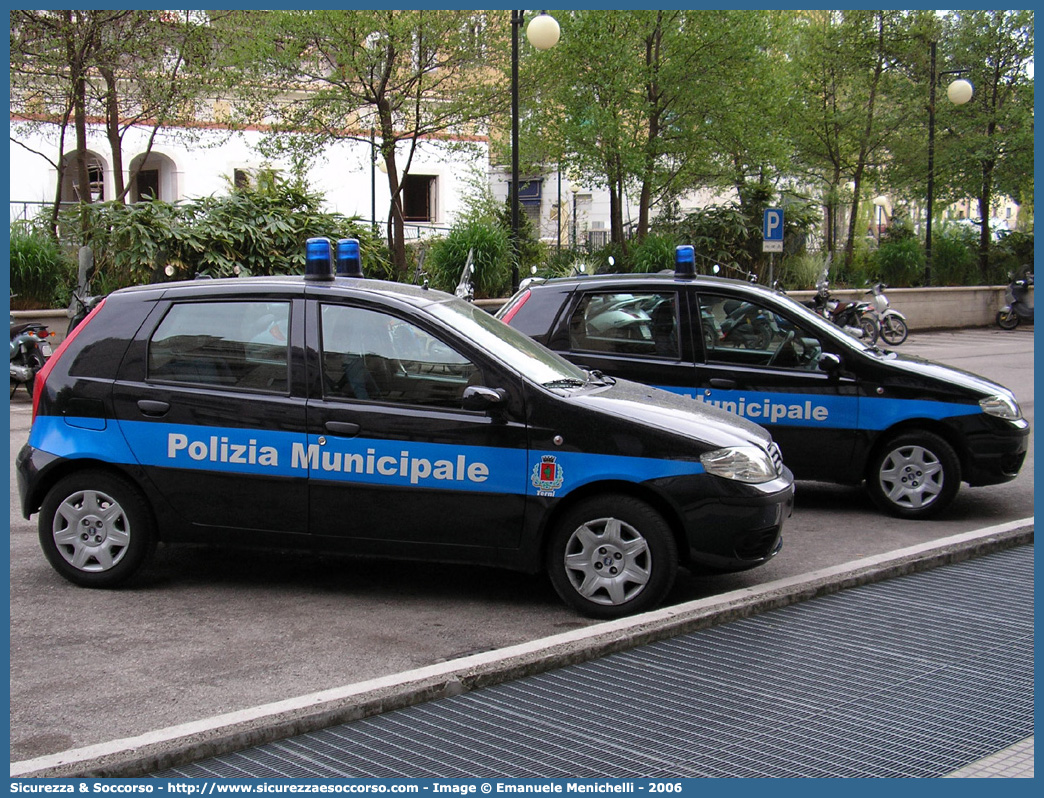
(743,463)
(1002,407)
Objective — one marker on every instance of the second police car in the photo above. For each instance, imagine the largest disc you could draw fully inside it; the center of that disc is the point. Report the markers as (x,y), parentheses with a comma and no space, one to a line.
(841,411)
(370,418)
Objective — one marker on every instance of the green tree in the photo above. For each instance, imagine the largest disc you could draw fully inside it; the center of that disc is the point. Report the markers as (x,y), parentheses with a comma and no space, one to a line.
(132,69)
(398,76)
(994,140)
(847,75)
(636,101)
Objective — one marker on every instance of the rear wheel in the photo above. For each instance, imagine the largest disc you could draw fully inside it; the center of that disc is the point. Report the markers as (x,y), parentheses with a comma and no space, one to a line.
(612,556)
(1007,319)
(894,330)
(915,475)
(95,528)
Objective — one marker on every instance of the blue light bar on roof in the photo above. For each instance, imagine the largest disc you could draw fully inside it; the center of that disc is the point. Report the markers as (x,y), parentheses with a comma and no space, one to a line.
(318,259)
(349,262)
(685,261)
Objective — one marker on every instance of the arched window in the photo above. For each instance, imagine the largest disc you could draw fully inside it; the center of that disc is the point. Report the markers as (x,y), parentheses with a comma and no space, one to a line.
(72,191)
(153,176)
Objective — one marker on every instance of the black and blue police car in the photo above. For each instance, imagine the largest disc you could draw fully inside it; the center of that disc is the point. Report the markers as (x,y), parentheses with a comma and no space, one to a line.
(840,410)
(335,413)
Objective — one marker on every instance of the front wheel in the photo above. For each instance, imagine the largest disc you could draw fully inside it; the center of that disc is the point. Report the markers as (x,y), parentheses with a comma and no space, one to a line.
(612,556)
(95,528)
(894,330)
(870,329)
(915,475)
(1007,319)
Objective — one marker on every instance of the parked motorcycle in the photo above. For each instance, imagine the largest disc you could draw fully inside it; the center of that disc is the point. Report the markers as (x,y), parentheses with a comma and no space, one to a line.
(1017,309)
(29,351)
(82,302)
(855,318)
(891,322)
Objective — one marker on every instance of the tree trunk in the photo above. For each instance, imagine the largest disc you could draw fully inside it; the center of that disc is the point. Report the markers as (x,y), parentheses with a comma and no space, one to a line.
(112,132)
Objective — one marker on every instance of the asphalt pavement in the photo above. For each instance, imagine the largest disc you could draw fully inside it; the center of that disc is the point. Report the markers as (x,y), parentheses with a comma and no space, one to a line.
(230,635)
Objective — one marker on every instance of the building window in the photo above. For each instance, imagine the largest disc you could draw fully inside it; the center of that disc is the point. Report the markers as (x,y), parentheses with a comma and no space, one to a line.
(418,198)
(146,185)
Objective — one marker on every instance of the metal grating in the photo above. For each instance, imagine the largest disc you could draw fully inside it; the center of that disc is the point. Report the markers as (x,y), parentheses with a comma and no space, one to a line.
(911,677)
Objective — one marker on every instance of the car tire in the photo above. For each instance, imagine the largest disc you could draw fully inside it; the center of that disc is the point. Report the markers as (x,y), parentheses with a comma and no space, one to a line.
(612,556)
(95,528)
(1007,320)
(894,330)
(914,475)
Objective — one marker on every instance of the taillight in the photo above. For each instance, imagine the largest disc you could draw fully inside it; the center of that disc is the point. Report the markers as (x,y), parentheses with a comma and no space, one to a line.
(41,375)
(515,306)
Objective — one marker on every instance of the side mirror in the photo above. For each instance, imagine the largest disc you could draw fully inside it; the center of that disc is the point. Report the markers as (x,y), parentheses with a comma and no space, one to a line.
(479,397)
(829,363)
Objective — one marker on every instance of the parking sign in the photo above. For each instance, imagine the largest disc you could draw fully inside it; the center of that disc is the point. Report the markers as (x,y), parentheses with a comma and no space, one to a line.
(773,230)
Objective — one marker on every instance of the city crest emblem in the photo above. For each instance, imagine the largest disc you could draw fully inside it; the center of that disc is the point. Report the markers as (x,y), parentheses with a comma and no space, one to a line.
(547,476)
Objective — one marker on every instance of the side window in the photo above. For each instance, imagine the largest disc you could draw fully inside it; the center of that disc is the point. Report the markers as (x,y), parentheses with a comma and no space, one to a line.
(240,345)
(626,323)
(746,333)
(378,357)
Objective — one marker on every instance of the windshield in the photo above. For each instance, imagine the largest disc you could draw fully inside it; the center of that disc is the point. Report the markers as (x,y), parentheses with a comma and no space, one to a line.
(518,351)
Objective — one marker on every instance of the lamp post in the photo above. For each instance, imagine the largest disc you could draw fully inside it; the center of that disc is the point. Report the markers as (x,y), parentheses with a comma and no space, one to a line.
(543,33)
(959,92)
(575,189)
(880,201)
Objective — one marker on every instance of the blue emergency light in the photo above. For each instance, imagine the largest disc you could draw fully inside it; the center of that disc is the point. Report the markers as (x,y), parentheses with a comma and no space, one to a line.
(685,261)
(349,263)
(318,259)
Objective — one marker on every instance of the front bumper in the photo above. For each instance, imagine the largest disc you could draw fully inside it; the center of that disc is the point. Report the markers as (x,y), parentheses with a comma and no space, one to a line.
(741,529)
(996,456)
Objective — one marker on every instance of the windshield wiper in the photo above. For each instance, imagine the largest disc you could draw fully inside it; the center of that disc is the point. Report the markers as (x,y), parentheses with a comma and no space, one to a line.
(566,382)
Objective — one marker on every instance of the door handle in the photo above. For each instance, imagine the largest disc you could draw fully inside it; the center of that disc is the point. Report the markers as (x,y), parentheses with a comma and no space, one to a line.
(152,407)
(721,382)
(345,428)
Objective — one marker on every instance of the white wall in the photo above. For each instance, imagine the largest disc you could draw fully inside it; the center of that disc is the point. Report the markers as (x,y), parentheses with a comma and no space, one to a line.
(204,161)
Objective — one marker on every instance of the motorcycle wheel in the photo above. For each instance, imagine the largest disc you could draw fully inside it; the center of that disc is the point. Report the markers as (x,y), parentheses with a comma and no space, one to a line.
(1007,320)
(894,330)
(870,328)
(36,364)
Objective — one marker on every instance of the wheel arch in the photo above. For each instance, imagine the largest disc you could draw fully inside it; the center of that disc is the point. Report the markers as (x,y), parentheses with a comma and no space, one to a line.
(618,488)
(67,467)
(918,425)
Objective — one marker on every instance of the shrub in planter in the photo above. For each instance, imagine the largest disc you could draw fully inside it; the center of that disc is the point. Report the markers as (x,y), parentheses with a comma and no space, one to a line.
(490,245)
(900,263)
(954,257)
(42,274)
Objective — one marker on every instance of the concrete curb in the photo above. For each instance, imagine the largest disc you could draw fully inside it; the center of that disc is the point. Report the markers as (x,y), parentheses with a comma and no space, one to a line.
(234,731)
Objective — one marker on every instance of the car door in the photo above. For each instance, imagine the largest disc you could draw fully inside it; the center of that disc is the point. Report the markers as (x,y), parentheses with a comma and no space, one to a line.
(397,465)
(205,402)
(637,333)
(767,365)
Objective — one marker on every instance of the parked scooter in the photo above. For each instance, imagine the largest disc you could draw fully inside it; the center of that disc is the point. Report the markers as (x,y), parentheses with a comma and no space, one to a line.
(891,322)
(1017,309)
(29,351)
(855,318)
(82,303)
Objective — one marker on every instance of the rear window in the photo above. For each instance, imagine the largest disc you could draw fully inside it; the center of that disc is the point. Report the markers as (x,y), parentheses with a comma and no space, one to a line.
(237,345)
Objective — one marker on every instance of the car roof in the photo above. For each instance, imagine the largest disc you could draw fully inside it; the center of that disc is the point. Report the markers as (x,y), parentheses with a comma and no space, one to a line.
(288,285)
(666,277)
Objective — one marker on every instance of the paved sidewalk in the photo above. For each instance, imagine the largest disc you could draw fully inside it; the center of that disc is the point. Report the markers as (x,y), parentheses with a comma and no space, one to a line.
(1015,762)
(916,676)
(878,669)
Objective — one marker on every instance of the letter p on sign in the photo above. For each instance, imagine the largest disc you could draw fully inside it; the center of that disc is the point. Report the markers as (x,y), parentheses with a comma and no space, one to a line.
(773,230)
